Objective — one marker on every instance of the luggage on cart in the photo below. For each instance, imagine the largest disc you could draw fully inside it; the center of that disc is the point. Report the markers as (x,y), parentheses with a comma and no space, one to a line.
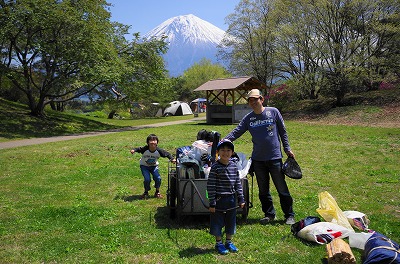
(187,179)
(188,196)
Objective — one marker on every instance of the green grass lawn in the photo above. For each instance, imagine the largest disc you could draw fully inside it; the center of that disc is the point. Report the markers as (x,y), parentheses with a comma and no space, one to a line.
(78,201)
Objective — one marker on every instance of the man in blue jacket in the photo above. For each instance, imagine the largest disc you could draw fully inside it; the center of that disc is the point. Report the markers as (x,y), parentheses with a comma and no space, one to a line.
(267,129)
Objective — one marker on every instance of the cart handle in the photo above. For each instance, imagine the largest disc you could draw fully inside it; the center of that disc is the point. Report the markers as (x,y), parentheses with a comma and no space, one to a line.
(202,200)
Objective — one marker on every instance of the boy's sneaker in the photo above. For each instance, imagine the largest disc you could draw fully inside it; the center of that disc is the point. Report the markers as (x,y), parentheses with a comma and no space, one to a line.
(221,249)
(157,195)
(267,219)
(290,220)
(231,247)
(144,196)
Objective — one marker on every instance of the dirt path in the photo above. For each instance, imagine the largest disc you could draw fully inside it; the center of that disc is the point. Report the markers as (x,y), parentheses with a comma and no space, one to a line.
(34,141)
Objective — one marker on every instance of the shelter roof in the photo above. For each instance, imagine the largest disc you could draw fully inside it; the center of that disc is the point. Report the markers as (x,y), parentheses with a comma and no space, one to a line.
(199,100)
(243,83)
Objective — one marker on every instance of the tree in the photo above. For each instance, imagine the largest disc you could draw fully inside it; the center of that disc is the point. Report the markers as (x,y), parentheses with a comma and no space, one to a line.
(199,74)
(57,50)
(385,34)
(340,41)
(249,44)
(321,46)
(143,76)
(299,57)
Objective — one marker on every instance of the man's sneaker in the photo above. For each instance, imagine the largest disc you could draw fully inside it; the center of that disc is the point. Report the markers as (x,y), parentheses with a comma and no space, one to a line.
(158,195)
(267,219)
(231,247)
(290,220)
(221,249)
(144,196)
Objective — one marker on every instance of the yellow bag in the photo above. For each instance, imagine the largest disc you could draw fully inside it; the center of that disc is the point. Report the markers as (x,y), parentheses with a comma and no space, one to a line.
(331,212)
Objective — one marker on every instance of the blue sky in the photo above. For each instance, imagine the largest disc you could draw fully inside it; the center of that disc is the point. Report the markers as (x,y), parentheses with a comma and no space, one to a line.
(144,15)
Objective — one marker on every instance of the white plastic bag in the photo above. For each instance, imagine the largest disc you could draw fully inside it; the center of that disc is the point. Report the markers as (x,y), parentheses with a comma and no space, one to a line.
(200,148)
(357,219)
(323,232)
(358,240)
(243,165)
(330,211)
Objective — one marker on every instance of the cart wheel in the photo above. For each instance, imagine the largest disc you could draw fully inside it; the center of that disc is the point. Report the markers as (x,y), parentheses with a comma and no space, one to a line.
(172,197)
(245,212)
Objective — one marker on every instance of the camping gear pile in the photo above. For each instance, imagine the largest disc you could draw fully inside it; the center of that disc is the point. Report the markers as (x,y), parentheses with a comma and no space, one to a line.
(187,180)
(340,224)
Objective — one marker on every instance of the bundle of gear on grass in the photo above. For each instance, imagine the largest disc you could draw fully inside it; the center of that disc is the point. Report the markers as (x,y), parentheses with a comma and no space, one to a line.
(187,179)
(340,224)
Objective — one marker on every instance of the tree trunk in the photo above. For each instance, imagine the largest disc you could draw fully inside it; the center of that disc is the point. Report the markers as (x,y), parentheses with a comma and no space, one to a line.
(60,106)
(339,96)
(37,108)
(53,106)
(111,114)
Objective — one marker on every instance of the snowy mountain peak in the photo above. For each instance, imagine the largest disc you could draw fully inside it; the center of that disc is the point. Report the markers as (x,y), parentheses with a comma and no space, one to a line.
(188,29)
(190,39)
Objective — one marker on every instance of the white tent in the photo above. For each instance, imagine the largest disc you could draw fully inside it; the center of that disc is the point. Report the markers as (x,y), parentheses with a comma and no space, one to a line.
(178,108)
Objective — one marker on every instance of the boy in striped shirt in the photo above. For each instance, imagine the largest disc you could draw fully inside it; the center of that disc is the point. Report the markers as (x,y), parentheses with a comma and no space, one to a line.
(222,185)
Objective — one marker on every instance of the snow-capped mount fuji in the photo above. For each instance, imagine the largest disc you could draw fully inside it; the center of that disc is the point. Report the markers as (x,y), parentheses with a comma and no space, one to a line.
(190,39)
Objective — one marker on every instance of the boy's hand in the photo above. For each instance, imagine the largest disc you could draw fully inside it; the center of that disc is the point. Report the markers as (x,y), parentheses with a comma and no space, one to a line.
(173,160)
(132,151)
(242,205)
(212,209)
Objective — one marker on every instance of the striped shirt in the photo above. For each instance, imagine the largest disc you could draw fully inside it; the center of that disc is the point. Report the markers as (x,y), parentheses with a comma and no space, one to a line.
(224,180)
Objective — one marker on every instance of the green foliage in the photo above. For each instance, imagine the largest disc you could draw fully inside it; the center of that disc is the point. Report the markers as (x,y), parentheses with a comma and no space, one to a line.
(249,45)
(144,78)
(327,47)
(197,75)
(57,49)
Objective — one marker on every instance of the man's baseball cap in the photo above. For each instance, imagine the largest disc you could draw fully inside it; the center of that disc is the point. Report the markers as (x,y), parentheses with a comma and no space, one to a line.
(225,142)
(254,93)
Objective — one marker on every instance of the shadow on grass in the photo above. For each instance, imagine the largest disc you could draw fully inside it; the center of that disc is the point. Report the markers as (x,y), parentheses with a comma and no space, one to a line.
(194,251)
(18,123)
(130,198)
(166,218)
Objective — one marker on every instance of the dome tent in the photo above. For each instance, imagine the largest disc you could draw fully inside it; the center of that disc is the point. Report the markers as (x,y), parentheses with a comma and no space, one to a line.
(178,108)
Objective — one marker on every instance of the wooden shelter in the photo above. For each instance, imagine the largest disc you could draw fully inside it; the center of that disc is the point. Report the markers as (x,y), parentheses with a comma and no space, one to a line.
(226,98)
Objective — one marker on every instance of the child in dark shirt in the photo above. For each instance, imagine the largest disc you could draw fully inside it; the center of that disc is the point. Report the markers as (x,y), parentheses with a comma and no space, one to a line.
(149,164)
